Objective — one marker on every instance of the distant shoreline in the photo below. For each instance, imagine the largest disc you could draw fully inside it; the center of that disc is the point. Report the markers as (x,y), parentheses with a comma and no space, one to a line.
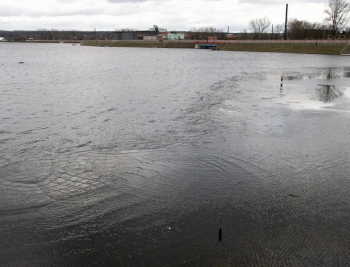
(307,47)
(319,47)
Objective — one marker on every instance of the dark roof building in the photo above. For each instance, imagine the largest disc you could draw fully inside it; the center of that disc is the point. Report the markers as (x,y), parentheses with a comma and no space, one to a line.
(132,35)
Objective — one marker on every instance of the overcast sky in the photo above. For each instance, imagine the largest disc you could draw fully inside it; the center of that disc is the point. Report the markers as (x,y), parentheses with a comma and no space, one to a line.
(110,15)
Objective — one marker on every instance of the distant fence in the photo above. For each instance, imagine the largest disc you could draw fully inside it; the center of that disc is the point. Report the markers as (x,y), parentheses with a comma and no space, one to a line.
(345,50)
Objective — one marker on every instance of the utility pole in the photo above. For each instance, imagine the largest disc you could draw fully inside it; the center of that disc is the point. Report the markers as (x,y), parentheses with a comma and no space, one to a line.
(285,24)
(272,32)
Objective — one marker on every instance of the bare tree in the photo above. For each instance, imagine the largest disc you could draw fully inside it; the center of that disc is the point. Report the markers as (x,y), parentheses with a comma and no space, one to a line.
(126,30)
(44,34)
(259,26)
(300,29)
(337,15)
(276,31)
(205,32)
(279,28)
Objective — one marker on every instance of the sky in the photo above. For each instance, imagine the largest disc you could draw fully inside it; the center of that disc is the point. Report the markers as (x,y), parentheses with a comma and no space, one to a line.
(110,15)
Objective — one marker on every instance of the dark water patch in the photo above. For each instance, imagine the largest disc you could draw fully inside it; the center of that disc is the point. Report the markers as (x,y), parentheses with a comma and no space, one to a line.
(85,144)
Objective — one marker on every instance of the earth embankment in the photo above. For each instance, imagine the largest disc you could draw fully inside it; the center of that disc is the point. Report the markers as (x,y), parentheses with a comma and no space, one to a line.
(300,48)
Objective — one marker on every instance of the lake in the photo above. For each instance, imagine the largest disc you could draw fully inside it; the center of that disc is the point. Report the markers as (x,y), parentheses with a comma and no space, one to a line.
(131,156)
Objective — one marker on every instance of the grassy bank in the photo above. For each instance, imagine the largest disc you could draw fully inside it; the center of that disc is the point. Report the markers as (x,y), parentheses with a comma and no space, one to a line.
(123,44)
(139,44)
(325,49)
(178,45)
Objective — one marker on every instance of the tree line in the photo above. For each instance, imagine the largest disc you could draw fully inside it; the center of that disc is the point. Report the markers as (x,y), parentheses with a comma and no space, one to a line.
(55,34)
(335,22)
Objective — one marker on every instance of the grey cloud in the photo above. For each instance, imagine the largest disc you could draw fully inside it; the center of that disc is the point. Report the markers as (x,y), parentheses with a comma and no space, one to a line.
(9,11)
(12,13)
(276,2)
(67,1)
(126,1)
(59,13)
(139,1)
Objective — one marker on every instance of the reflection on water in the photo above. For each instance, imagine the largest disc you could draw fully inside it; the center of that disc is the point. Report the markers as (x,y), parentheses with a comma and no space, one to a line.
(321,75)
(328,93)
(321,88)
(333,75)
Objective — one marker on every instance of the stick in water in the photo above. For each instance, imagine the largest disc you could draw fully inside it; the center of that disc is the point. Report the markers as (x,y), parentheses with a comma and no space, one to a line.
(281,83)
(220,229)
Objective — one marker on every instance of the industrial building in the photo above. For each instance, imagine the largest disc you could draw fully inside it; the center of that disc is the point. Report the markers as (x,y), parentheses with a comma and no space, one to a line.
(154,33)
(132,35)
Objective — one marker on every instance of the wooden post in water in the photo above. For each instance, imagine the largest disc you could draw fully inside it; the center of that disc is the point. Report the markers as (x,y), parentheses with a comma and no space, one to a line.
(281,83)
(220,229)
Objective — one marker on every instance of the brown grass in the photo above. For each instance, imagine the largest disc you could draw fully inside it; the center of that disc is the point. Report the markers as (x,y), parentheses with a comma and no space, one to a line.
(325,49)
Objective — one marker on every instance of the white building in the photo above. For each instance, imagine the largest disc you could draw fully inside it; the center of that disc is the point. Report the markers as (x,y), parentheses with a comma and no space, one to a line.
(176,36)
(155,28)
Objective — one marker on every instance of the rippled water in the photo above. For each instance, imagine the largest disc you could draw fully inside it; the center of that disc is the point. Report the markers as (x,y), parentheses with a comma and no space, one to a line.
(129,157)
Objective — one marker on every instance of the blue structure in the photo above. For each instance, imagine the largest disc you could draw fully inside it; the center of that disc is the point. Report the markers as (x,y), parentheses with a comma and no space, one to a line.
(206,46)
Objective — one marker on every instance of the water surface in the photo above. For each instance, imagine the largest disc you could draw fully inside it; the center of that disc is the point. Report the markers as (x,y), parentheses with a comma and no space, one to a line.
(129,157)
